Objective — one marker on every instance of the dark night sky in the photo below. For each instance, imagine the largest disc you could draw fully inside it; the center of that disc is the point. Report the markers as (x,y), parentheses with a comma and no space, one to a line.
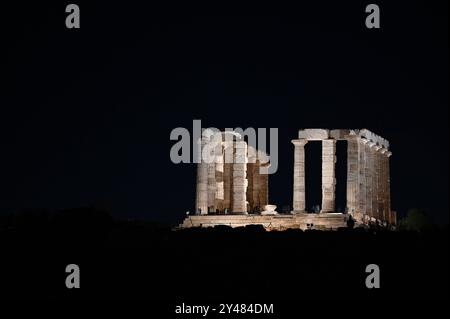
(86,114)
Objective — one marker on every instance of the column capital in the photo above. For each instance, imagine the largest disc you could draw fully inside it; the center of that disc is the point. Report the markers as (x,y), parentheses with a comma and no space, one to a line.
(388,154)
(299,142)
(383,150)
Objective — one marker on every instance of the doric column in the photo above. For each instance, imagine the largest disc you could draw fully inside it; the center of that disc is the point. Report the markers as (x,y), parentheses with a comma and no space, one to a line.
(299,175)
(240,178)
(211,186)
(213,151)
(392,220)
(352,174)
(202,181)
(220,189)
(256,183)
(263,189)
(228,175)
(328,175)
(252,180)
(369,178)
(362,176)
(382,184)
(375,182)
(228,185)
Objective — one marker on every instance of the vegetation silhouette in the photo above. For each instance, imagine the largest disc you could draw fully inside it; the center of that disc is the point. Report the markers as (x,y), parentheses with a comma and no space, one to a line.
(126,259)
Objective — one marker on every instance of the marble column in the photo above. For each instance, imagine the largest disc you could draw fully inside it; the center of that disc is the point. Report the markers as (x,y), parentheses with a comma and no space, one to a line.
(299,176)
(392,217)
(362,177)
(328,175)
(227,186)
(202,181)
(211,186)
(352,174)
(251,184)
(214,149)
(263,190)
(369,178)
(382,182)
(240,178)
(256,185)
(375,182)
(220,187)
(228,176)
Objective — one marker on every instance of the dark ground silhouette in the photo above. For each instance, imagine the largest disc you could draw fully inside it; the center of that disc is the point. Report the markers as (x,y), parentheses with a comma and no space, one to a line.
(140,259)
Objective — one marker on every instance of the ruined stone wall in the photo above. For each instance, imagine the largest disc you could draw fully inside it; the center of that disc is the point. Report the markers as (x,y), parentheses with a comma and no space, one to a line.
(235,186)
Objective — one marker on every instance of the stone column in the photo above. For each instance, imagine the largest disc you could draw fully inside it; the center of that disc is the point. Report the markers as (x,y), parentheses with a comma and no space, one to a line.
(240,178)
(299,176)
(328,175)
(220,189)
(352,174)
(382,185)
(228,185)
(392,220)
(263,190)
(362,177)
(211,186)
(375,182)
(251,185)
(228,176)
(214,149)
(202,181)
(369,178)
(256,182)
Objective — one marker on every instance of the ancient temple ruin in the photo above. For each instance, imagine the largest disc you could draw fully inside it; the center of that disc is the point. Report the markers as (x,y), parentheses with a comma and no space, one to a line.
(233,189)
(368,181)
(229,178)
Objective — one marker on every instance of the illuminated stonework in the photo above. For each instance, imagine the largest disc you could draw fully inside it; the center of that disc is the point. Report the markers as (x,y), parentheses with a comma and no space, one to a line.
(368,181)
(229,177)
(236,194)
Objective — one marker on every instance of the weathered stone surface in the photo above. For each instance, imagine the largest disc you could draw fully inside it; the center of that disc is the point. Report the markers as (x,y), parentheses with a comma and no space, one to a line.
(362,196)
(373,138)
(340,134)
(202,184)
(299,175)
(211,187)
(263,192)
(369,179)
(202,188)
(325,221)
(269,210)
(328,175)
(229,179)
(352,174)
(313,134)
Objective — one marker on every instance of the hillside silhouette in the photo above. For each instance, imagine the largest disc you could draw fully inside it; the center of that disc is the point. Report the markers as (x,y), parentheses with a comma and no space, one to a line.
(145,260)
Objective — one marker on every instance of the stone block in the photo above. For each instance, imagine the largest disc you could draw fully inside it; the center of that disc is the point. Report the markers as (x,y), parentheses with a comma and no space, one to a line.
(313,134)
